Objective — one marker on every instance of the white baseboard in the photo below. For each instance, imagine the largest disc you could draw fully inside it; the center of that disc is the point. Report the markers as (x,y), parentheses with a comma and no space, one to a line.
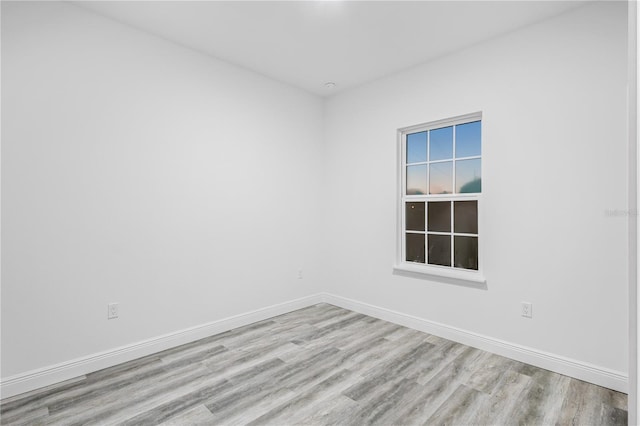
(42,377)
(50,375)
(611,379)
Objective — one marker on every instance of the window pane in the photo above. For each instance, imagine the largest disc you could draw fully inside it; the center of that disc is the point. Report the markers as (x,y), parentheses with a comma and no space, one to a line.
(466,252)
(465,217)
(415,216)
(468,177)
(439,216)
(439,250)
(441,178)
(468,139)
(417,147)
(417,179)
(415,248)
(441,144)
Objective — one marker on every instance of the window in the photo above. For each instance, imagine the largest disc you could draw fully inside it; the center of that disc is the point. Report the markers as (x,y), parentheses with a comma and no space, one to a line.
(440,190)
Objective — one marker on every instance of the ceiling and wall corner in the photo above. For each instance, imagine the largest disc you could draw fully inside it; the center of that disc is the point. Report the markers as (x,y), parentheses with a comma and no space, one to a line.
(309,43)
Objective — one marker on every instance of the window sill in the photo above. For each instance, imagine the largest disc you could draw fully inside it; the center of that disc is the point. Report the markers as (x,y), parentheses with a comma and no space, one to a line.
(474,278)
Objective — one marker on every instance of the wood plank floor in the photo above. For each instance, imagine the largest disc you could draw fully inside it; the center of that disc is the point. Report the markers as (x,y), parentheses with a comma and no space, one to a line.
(321,365)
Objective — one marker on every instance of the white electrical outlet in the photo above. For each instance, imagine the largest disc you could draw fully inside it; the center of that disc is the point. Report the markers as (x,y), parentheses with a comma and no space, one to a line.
(527,310)
(299,274)
(112,310)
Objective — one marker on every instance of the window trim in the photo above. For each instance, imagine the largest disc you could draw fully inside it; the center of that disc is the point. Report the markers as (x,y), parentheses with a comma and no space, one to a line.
(434,271)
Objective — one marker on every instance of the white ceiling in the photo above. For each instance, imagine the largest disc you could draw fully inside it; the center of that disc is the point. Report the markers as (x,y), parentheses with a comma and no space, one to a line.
(309,43)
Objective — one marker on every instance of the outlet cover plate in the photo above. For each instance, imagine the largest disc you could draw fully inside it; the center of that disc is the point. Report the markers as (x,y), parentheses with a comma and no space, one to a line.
(112,310)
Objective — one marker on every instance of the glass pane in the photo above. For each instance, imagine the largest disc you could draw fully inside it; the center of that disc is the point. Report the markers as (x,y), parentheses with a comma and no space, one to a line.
(415,248)
(441,178)
(414,216)
(439,250)
(439,216)
(465,252)
(468,177)
(465,217)
(468,139)
(417,179)
(441,144)
(417,147)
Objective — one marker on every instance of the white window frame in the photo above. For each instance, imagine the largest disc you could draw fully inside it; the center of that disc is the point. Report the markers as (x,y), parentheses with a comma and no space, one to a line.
(435,271)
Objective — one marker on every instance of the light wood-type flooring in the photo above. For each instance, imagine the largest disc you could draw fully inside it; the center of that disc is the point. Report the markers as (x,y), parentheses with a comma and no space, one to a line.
(320,365)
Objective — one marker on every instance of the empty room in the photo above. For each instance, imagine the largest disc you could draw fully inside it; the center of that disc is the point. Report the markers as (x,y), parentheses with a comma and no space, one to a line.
(318,212)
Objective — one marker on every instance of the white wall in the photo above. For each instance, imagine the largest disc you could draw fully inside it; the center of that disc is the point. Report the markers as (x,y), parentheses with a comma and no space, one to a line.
(139,172)
(554,160)
(189,190)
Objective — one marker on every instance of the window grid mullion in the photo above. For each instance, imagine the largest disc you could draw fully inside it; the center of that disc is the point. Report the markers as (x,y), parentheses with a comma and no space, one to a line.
(426,226)
(426,202)
(462,234)
(453,190)
(451,233)
(428,161)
